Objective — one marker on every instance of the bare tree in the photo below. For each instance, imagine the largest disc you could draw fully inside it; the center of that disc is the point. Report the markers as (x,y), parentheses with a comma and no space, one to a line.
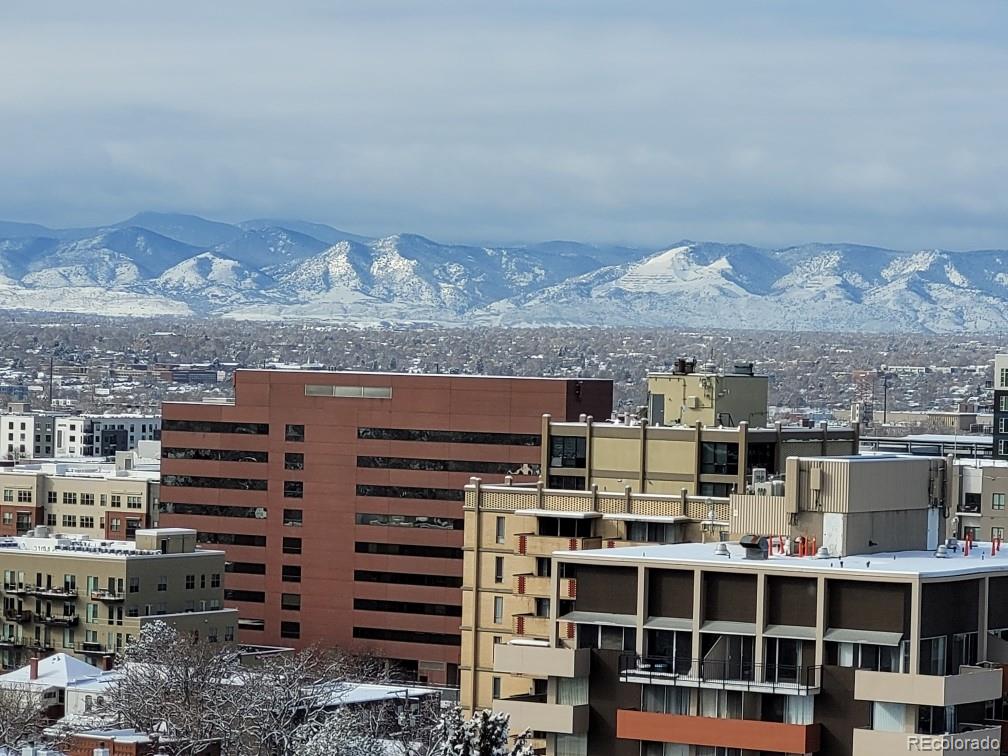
(21,716)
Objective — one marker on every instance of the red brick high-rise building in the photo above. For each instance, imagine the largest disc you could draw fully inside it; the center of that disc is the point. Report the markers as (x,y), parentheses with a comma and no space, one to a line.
(338,497)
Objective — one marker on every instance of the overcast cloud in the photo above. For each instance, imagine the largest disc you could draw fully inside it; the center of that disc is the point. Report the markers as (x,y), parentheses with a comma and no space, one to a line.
(771,123)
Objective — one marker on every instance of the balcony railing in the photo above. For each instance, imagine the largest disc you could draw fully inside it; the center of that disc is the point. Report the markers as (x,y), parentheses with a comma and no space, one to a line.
(55,591)
(96,649)
(19,589)
(727,674)
(60,620)
(107,596)
(11,642)
(17,615)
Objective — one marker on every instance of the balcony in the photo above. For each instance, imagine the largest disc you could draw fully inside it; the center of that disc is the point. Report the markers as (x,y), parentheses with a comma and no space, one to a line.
(530,625)
(720,674)
(975,740)
(533,713)
(20,616)
(18,589)
(58,620)
(11,642)
(745,734)
(537,545)
(56,592)
(971,685)
(108,597)
(39,644)
(541,661)
(535,585)
(91,648)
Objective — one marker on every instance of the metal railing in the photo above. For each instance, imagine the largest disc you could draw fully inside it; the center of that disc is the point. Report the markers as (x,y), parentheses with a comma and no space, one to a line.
(734,674)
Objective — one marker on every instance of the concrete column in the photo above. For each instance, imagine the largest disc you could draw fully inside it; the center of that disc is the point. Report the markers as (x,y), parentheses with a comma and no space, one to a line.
(820,628)
(544,450)
(743,456)
(697,456)
(697,618)
(642,478)
(588,450)
(758,654)
(915,622)
(642,603)
(984,589)
(477,535)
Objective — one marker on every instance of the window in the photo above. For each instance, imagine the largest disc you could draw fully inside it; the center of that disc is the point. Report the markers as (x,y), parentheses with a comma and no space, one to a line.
(86,521)
(162,584)
(998,501)
(294,433)
(291,573)
(231,539)
(407,578)
(500,530)
(566,483)
(190,582)
(215,580)
(406,636)
(718,458)
(50,519)
(116,501)
(134,502)
(606,637)
(1004,403)
(409,521)
(215,455)
(997,533)
(290,601)
(447,465)
(293,461)
(69,521)
(971,503)
(246,568)
(568,451)
(69,498)
(290,629)
(24,496)
(409,492)
(495,687)
(291,545)
(499,569)
(204,481)
(293,489)
(51,497)
(114,524)
(408,549)
(449,437)
(209,426)
(251,597)
(87,499)
(292,518)
(349,392)
(134,585)
(498,610)
(212,510)
(407,607)
(229,633)
(1002,383)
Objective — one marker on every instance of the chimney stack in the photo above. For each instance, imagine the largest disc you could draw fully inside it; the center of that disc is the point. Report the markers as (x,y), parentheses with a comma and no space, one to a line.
(33,673)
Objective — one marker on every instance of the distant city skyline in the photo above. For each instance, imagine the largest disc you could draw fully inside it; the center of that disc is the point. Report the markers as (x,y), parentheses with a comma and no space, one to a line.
(876,123)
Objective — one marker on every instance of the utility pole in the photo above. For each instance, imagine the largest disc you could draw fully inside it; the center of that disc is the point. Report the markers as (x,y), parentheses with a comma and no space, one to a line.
(885,397)
(50,381)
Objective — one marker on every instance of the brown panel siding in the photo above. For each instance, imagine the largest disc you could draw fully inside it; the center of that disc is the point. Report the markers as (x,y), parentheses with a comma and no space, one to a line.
(606,589)
(729,597)
(861,605)
(670,593)
(791,601)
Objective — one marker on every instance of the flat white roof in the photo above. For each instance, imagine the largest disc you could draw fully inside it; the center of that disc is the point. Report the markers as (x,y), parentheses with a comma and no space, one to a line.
(83,546)
(895,563)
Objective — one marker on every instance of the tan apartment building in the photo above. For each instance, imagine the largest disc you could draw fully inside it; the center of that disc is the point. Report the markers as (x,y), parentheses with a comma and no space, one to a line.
(706,461)
(511,589)
(979,496)
(101,500)
(87,597)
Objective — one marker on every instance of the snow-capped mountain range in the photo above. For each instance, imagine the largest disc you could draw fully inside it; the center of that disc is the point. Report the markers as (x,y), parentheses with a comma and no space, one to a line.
(173,264)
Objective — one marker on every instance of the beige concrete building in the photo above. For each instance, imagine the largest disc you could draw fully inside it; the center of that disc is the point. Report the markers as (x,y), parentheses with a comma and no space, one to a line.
(101,500)
(712,397)
(705,461)
(87,597)
(513,594)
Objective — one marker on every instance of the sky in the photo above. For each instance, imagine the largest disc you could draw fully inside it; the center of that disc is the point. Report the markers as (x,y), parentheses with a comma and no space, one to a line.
(771,123)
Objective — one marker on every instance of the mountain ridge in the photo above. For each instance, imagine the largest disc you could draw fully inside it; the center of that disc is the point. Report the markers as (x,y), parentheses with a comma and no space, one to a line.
(178,264)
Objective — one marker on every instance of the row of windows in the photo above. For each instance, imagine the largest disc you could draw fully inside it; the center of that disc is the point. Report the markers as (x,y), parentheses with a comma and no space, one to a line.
(204,481)
(211,426)
(568,451)
(245,568)
(406,636)
(211,510)
(444,465)
(231,539)
(86,521)
(407,549)
(407,607)
(411,492)
(349,392)
(971,503)
(408,578)
(409,521)
(215,455)
(449,437)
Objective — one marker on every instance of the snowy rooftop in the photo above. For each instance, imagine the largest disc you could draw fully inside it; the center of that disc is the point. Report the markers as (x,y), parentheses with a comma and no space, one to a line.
(78,545)
(84,467)
(902,563)
(56,671)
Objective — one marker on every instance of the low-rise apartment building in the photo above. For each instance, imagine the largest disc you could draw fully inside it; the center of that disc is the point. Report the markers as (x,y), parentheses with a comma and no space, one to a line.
(86,597)
(101,500)
(979,496)
(25,434)
(103,435)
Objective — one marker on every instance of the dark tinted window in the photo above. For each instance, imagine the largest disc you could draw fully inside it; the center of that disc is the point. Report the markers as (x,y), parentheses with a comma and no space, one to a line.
(719,459)
(291,573)
(568,451)
(211,510)
(210,426)
(291,545)
(231,539)
(406,636)
(448,465)
(292,517)
(202,481)
(252,597)
(245,568)
(215,455)
(408,549)
(449,437)
(293,489)
(290,629)
(407,607)
(294,432)
(293,461)
(409,521)
(408,492)
(408,578)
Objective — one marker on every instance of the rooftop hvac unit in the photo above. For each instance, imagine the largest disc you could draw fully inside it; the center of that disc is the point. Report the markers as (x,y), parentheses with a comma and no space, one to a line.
(692,402)
(759,475)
